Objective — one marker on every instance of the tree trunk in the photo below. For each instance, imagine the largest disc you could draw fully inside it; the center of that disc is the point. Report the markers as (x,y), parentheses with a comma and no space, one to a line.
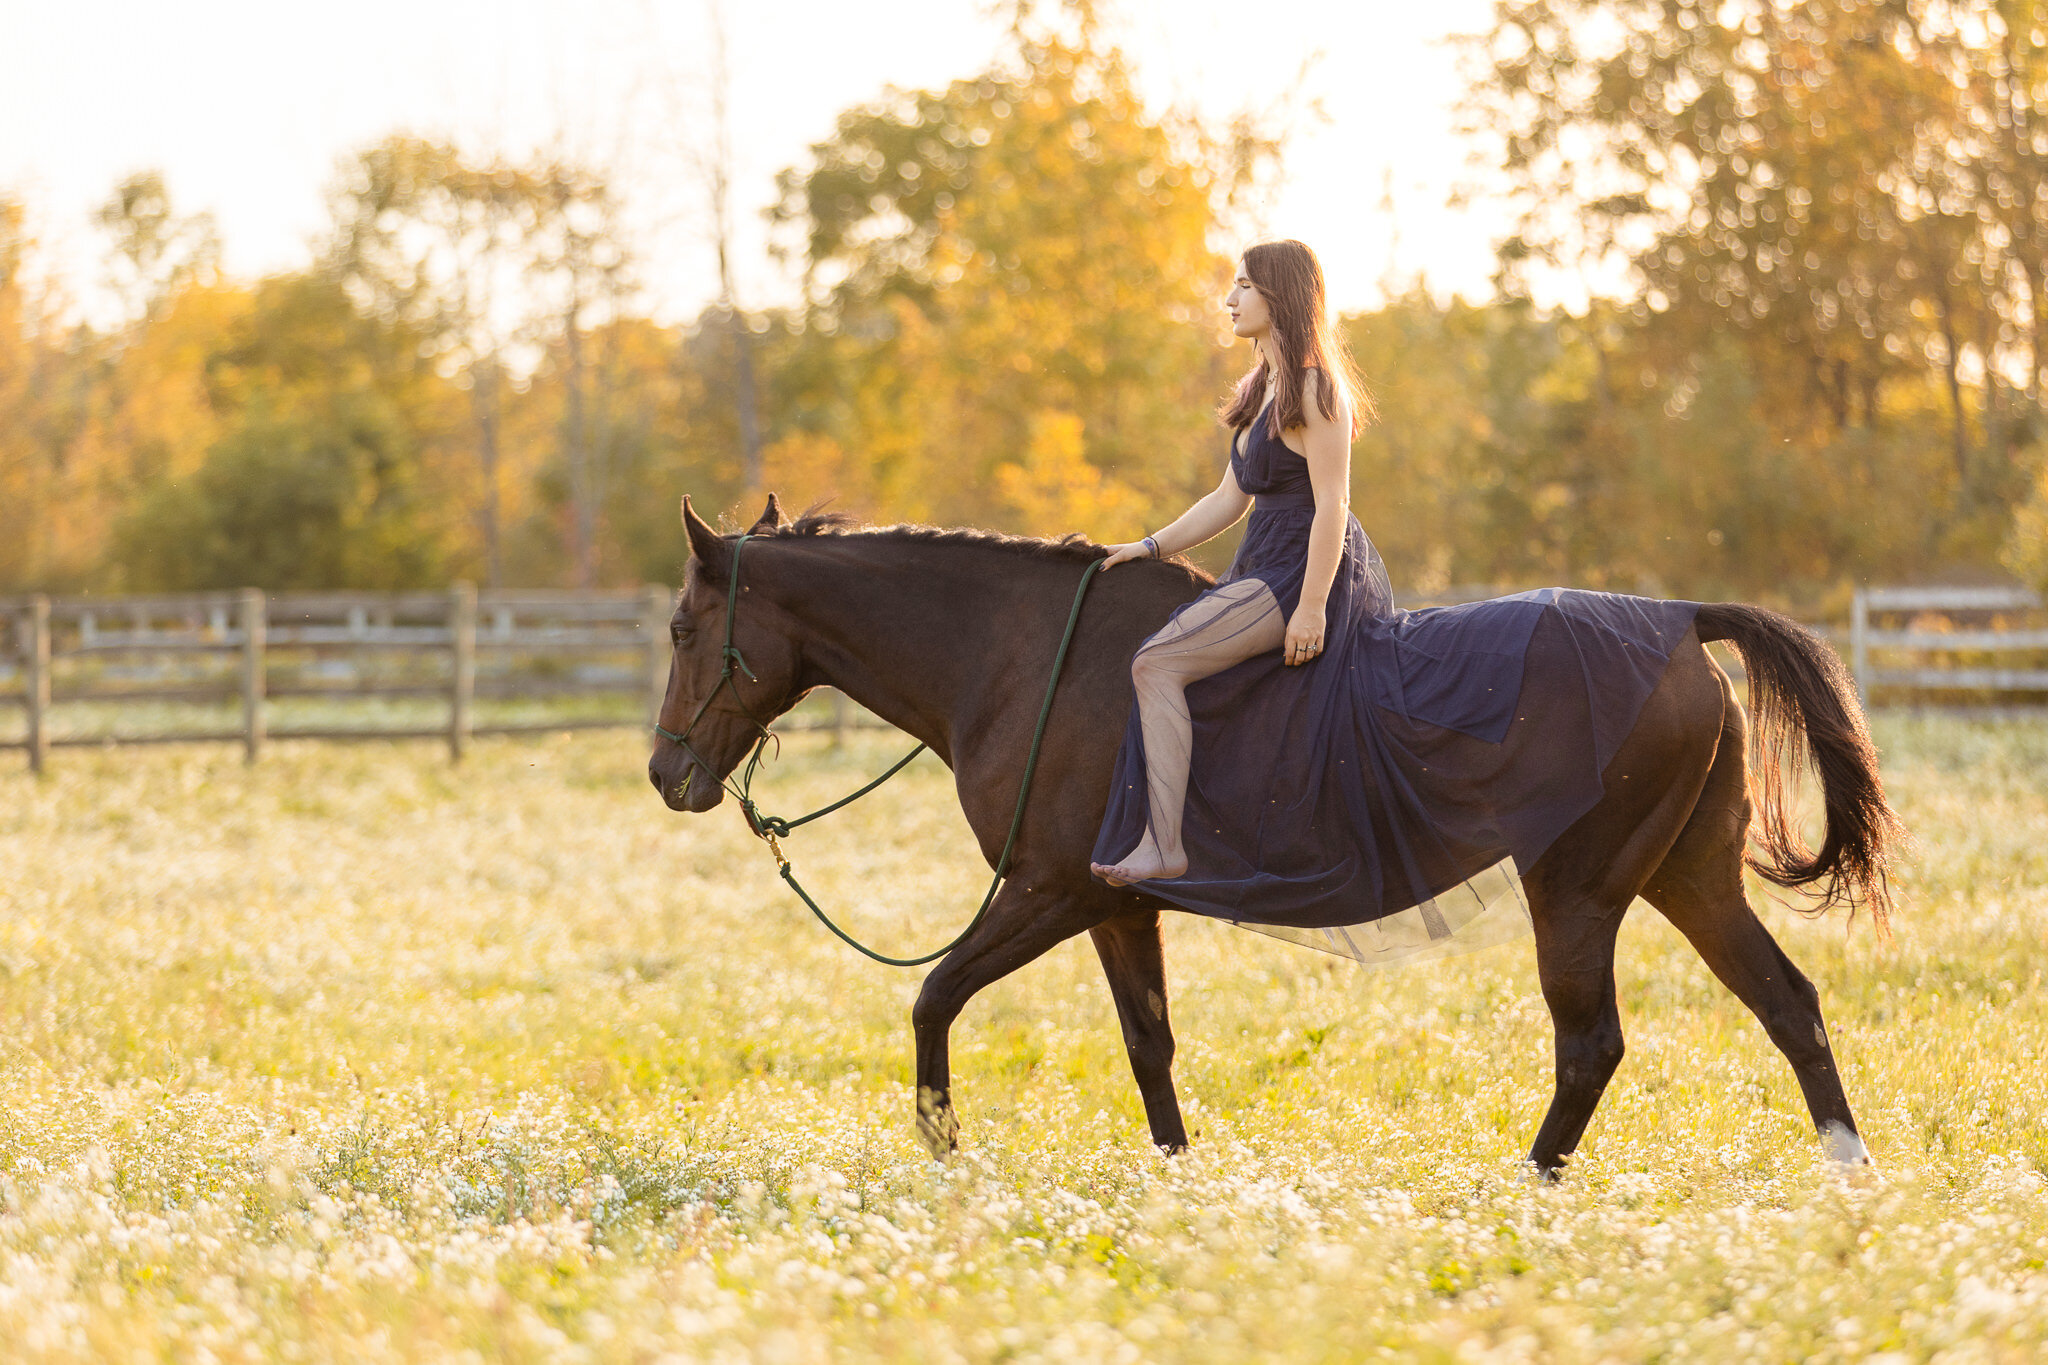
(2022,167)
(576,449)
(484,405)
(743,400)
(2038,341)
(1958,428)
(1993,459)
(718,178)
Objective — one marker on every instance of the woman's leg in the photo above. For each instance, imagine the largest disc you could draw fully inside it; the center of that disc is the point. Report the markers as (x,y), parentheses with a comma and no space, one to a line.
(1224,626)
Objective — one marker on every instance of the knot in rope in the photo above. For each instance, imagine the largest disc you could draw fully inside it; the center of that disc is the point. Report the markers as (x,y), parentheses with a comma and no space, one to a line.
(765,825)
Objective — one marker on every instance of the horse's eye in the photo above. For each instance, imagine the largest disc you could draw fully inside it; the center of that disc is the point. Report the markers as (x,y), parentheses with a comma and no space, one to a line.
(680,633)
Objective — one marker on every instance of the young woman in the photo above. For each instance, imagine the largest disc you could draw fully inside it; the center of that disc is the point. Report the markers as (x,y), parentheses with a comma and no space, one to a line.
(1302,756)
(1295,415)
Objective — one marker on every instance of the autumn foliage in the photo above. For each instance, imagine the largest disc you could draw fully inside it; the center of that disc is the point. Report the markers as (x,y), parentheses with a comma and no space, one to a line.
(1815,355)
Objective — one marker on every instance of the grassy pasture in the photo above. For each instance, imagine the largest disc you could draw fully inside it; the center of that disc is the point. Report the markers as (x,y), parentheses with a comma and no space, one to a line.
(357,1056)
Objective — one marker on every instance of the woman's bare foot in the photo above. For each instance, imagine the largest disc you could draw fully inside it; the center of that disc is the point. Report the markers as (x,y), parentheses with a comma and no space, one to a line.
(1144,863)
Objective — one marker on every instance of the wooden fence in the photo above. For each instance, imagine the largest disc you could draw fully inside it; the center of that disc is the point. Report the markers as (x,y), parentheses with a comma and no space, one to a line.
(156,662)
(1949,646)
(423,664)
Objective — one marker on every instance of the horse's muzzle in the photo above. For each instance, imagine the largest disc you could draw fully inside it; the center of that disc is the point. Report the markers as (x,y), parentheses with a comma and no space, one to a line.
(691,790)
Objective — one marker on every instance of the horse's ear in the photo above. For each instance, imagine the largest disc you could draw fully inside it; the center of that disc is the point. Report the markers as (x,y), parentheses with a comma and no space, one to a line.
(707,547)
(771,517)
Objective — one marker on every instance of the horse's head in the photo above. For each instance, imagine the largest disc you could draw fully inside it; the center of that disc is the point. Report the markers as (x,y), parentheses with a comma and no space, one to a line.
(719,711)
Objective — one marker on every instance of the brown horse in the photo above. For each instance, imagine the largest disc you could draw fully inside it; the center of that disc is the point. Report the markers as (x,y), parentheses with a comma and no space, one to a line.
(951,636)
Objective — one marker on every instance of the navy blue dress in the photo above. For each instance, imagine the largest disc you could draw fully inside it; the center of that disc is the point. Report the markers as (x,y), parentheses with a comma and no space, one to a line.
(1371,801)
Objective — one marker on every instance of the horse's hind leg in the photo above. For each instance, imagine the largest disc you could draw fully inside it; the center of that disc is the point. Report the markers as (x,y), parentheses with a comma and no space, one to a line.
(1580,889)
(1699,889)
(1129,949)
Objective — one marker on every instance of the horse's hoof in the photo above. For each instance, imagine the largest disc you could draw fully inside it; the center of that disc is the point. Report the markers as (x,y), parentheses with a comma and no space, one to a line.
(1842,1146)
(936,1126)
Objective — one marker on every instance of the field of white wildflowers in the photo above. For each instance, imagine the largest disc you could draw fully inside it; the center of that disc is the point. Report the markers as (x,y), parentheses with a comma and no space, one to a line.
(358,1056)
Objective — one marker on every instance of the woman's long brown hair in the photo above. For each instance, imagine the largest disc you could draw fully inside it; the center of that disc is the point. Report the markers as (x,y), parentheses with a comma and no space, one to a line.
(1290,279)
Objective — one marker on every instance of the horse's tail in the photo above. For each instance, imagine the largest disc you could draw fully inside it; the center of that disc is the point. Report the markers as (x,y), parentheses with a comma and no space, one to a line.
(1798,686)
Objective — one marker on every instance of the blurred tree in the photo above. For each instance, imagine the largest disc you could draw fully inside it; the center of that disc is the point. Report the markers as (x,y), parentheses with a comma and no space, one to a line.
(605,404)
(1826,220)
(144,407)
(2026,552)
(1054,485)
(1453,384)
(1829,184)
(156,252)
(714,163)
(500,267)
(87,417)
(314,481)
(1017,255)
(1735,157)
(580,272)
(29,447)
(442,246)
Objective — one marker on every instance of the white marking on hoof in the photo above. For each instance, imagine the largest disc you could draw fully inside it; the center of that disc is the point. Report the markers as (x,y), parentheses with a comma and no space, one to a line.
(1843,1146)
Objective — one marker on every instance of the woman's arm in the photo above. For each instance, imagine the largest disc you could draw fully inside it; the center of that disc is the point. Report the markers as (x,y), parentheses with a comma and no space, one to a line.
(1326,444)
(1217,512)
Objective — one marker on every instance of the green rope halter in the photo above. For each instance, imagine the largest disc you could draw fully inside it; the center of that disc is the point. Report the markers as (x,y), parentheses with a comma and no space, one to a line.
(772,829)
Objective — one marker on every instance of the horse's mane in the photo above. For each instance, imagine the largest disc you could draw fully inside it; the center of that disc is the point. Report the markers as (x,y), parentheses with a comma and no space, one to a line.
(1074,548)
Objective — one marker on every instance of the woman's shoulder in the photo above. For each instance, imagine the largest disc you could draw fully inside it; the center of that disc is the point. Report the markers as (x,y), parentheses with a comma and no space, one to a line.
(1313,380)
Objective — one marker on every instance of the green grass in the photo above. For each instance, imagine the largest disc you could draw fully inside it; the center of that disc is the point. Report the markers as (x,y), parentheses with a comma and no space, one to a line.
(359,1056)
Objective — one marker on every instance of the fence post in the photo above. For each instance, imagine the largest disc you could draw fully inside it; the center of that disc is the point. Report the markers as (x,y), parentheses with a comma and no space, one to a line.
(255,679)
(1859,645)
(661,604)
(37,649)
(462,683)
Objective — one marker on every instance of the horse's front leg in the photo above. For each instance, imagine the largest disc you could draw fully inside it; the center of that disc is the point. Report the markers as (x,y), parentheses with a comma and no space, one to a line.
(1129,948)
(1021,926)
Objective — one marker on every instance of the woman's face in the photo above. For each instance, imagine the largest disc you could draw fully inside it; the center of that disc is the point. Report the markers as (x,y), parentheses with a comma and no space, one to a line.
(1249,317)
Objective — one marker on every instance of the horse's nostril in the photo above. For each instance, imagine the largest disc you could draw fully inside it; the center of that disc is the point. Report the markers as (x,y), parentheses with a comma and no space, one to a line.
(654,777)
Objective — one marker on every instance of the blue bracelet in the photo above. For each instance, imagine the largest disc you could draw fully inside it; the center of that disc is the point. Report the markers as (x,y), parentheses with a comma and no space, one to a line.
(1152,545)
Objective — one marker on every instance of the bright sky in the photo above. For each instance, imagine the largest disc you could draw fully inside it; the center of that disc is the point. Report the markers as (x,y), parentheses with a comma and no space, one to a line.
(246,106)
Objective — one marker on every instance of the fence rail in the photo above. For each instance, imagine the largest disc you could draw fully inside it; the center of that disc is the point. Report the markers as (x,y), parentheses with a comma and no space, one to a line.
(1969,645)
(262,656)
(248,652)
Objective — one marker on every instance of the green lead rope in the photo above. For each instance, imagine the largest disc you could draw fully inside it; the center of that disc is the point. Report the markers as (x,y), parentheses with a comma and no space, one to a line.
(765,825)
(770,827)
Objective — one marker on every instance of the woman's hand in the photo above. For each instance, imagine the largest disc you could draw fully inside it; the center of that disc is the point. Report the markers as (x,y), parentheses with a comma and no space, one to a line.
(1137,549)
(1304,635)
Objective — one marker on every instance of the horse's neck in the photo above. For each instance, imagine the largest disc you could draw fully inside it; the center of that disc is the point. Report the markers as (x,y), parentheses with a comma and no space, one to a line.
(919,706)
(917,641)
